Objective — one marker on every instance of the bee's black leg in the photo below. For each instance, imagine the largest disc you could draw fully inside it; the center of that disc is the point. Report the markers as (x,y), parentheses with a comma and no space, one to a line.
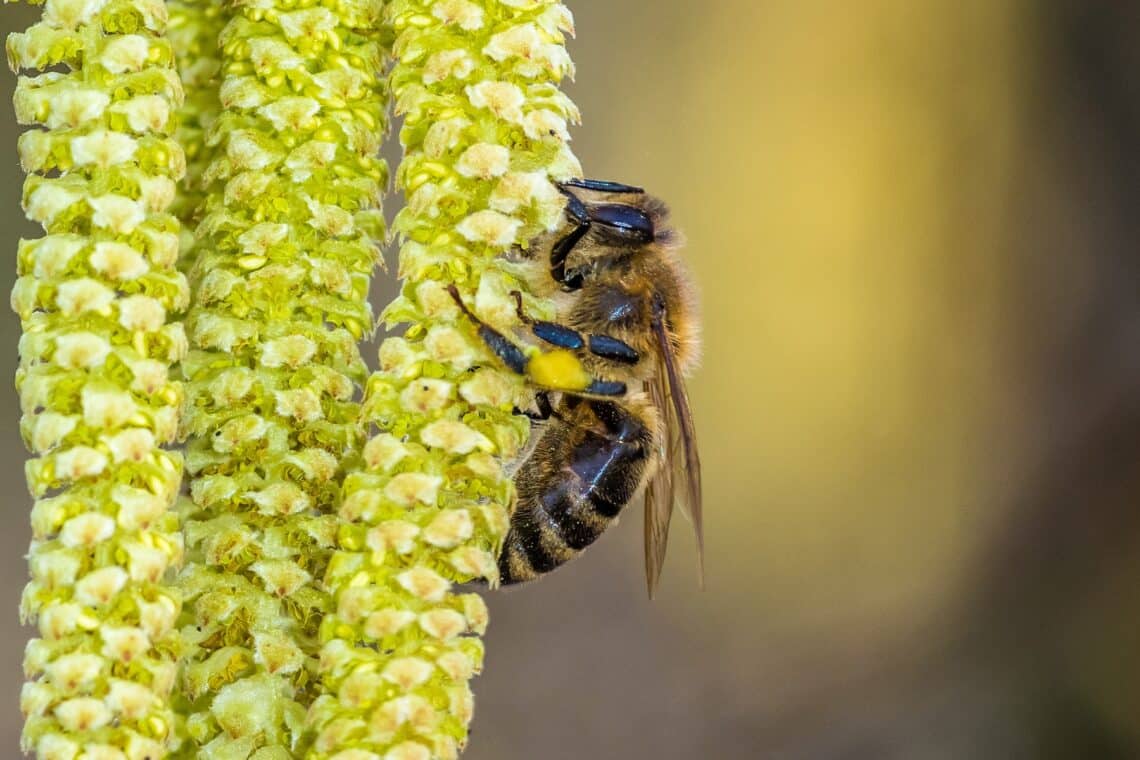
(613,349)
(603,346)
(603,186)
(523,317)
(519,362)
(551,332)
(580,215)
(555,334)
(545,410)
(499,344)
(542,399)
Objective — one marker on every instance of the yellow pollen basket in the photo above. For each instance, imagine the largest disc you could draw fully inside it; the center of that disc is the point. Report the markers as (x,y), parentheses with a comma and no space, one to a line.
(558,370)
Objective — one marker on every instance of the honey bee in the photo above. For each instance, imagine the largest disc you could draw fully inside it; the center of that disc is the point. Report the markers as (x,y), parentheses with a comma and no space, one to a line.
(612,417)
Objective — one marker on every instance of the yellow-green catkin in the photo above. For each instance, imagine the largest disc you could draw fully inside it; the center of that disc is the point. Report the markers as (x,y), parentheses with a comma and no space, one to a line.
(485,133)
(94,295)
(194,29)
(280,273)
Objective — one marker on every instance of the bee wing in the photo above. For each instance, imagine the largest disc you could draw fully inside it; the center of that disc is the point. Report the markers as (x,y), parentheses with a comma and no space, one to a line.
(658,502)
(680,466)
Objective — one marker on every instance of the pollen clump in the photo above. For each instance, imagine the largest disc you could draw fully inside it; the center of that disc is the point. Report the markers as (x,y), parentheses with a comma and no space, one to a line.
(95,295)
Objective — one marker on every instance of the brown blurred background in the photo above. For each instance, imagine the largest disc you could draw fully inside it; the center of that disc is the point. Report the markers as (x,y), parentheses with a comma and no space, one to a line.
(915,228)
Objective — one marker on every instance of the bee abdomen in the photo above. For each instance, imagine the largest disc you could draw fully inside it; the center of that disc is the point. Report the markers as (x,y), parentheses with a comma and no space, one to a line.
(574,522)
(548,535)
(572,501)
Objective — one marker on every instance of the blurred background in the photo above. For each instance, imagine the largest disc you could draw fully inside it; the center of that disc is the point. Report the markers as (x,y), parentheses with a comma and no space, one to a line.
(915,228)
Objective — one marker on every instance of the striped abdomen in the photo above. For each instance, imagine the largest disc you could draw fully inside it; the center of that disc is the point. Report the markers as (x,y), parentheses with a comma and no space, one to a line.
(589,463)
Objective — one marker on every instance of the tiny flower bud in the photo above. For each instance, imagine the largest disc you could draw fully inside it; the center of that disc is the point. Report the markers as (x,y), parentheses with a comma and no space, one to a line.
(503,99)
(483,160)
(490,227)
(407,488)
(408,672)
(453,436)
(450,529)
(87,530)
(118,261)
(83,714)
(100,586)
(426,584)
(465,14)
(387,622)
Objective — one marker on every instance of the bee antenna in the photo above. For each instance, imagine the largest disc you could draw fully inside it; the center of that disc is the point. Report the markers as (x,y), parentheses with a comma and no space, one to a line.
(601,186)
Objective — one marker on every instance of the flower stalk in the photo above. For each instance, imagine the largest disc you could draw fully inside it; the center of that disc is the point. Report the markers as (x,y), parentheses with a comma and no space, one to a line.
(280,272)
(94,296)
(484,137)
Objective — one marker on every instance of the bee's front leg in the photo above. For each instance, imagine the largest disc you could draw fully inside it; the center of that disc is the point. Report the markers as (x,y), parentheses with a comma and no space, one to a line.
(580,216)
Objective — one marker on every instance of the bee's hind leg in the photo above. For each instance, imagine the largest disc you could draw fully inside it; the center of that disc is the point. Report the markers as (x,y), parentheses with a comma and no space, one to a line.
(554,370)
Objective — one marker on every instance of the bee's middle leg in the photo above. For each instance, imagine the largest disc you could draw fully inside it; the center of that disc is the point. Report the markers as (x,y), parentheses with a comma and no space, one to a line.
(555,370)
(603,346)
